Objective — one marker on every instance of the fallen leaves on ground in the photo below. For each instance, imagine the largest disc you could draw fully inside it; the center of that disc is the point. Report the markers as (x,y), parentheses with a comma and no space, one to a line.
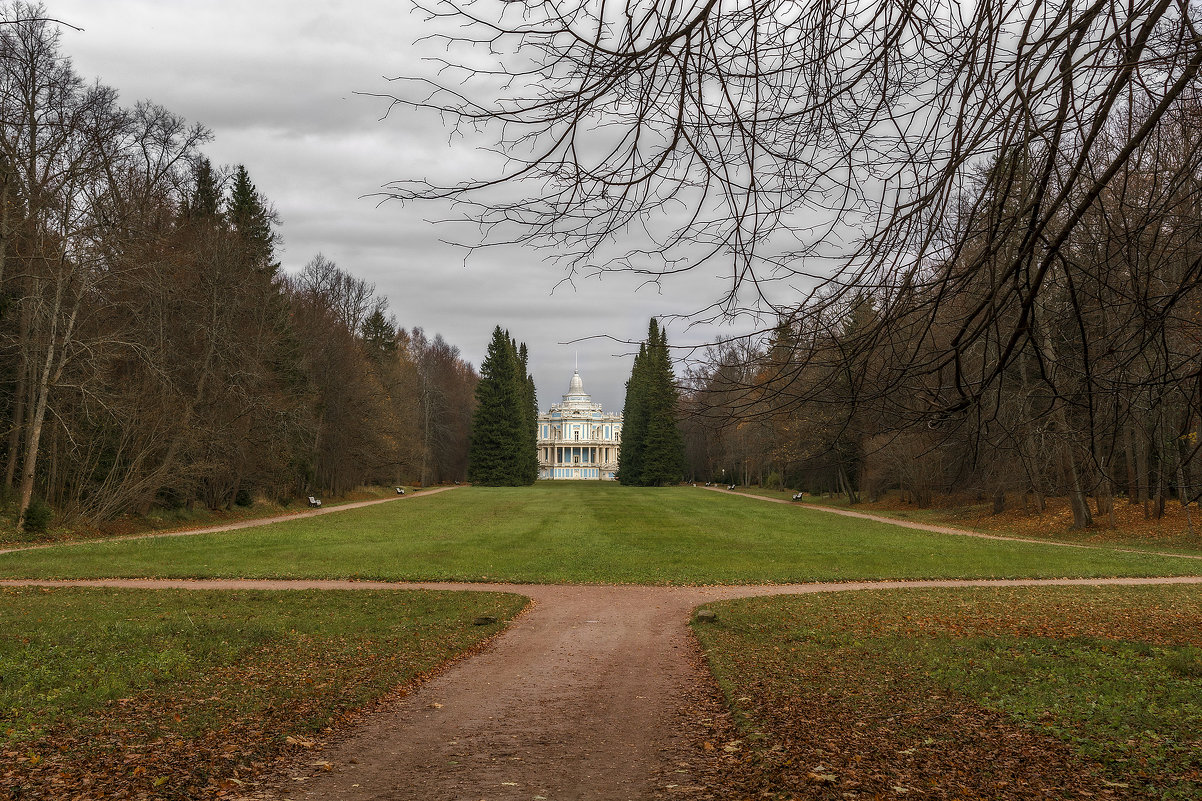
(1133,523)
(822,713)
(213,733)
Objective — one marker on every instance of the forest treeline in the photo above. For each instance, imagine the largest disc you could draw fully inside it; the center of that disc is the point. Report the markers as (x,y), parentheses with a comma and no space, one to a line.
(151,349)
(960,377)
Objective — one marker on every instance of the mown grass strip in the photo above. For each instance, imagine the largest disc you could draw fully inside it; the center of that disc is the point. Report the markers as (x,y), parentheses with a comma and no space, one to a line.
(171,691)
(968,691)
(587,533)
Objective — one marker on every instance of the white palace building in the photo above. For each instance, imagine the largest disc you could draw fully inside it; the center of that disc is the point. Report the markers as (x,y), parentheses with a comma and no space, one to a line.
(576,439)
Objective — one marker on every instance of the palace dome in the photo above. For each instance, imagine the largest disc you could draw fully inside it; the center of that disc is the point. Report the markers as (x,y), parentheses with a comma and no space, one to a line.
(577,398)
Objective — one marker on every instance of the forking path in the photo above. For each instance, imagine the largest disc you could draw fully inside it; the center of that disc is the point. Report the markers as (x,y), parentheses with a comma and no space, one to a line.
(584,696)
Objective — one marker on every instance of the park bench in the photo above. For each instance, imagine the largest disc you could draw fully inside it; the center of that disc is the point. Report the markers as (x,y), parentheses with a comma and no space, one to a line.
(797,496)
(314,502)
(400,490)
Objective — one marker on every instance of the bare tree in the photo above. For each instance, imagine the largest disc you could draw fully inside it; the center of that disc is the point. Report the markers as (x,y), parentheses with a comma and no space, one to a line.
(73,162)
(972,169)
(815,148)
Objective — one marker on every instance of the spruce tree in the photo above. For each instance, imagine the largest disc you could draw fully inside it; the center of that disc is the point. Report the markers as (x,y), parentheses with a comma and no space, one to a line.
(530,416)
(634,422)
(502,451)
(663,445)
(252,221)
(652,452)
(379,335)
(205,200)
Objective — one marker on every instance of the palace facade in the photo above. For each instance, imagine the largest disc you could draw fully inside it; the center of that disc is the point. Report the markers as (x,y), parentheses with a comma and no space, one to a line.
(577,439)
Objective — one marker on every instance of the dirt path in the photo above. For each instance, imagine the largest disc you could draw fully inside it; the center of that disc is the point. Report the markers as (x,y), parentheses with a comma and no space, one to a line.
(959,532)
(252,523)
(588,695)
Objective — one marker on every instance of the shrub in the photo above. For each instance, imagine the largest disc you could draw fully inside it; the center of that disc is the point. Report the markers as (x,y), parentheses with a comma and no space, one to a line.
(772,481)
(37,516)
(170,498)
(243,497)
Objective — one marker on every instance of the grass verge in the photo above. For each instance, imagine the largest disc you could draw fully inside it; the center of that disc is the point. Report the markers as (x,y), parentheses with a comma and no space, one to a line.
(588,533)
(110,693)
(967,693)
(1054,524)
(180,518)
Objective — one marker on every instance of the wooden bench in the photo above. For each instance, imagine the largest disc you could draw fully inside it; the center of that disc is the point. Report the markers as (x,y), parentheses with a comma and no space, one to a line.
(314,502)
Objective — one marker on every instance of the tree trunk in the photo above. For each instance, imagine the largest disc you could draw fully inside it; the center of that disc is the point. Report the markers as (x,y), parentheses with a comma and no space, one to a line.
(21,395)
(56,351)
(1132,472)
(1158,499)
(1183,495)
(1076,495)
(1104,496)
(845,485)
(1141,473)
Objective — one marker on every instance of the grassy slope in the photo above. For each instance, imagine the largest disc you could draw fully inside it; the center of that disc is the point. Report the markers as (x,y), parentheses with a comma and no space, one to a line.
(183,688)
(582,533)
(1169,534)
(1115,674)
(179,518)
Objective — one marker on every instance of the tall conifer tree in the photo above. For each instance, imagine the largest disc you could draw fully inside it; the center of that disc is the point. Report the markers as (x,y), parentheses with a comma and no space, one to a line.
(252,220)
(530,415)
(652,452)
(205,200)
(502,450)
(634,423)
(663,449)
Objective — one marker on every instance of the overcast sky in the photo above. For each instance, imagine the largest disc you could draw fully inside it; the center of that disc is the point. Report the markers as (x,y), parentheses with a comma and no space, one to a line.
(275,81)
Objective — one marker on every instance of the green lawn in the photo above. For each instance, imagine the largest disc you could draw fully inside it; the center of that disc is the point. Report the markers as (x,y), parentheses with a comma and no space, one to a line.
(569,532)
(173,690)
(953,691)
